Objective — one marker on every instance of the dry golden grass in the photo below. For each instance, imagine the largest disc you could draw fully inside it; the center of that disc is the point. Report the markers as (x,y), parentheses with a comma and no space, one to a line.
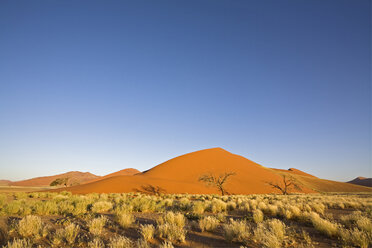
(105,220)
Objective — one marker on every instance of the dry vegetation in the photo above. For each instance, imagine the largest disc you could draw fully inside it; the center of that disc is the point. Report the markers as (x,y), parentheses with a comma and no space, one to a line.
(137,220)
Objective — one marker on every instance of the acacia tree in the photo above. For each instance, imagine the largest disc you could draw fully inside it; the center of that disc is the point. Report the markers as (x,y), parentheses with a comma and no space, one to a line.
(286,185)
(217,181)
(60,181)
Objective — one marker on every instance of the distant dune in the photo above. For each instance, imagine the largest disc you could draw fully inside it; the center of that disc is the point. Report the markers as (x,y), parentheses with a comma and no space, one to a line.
(180,175)
(362,181)
(75,177)
(124,172)
(5,182)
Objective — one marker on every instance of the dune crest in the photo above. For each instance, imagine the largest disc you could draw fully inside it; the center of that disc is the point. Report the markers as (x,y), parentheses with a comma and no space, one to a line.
(181,174)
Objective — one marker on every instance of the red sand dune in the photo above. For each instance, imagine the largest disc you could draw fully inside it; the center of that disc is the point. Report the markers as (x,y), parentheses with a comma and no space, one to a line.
(295,171)
(75,177)
(362,181)
(5,182)
(180,175)
(124,172)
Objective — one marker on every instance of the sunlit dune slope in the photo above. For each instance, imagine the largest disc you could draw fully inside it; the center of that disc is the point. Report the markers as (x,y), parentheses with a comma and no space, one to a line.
(75,177)
(124,172)
(295,172)
(181,174)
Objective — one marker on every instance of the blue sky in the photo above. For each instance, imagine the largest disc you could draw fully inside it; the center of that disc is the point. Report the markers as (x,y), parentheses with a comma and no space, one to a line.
(104,85)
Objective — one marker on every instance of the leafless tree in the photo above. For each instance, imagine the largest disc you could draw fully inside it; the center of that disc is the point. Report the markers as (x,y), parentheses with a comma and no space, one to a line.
(286,185)
(217,181)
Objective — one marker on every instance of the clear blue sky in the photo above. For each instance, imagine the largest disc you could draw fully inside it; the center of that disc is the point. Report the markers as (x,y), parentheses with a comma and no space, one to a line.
(104,85)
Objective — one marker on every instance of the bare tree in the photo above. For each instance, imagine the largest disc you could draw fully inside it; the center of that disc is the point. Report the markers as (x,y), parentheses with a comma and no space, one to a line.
(217,181)
(286,185)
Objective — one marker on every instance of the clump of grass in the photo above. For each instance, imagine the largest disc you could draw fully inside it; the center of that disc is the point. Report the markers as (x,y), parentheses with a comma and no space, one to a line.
(70,233)
(171,232)
(355,237)
(270,233)
(198,207)
(177,219)
(96,243)
(125,219)
(141,243)
(120,242)
(208,223)
(166,244)
(238,231)
(30,226)
(217,206)
(324,226)
(258,216)
(96,225)
(147,231)
(101,206)
(364,223)
(19,243)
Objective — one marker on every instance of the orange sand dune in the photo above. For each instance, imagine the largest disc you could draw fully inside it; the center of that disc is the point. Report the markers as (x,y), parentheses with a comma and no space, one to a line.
(180,175)
(295,171)
(5,182)
(124,172)
(75,177)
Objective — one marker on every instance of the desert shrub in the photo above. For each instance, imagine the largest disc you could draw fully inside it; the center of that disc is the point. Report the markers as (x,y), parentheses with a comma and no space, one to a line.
(19,243)
(120,242)
(270,233)
(96,225)
(272,210)
(3,198)
(70,233)
(208,223)
(306,237)
(143,204)
(198,207)
(125,219)
(166,244)
(141,243)
(231,206)
(177,219)
(318,207)
(364,223)
(45,208)
(322,225)
(355,237)
(147,232)
(58,237)
(217,206)
(12,208)
(30,226)
(238,231)
(101,207)
(258,216)
(96,243)
(171,232)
